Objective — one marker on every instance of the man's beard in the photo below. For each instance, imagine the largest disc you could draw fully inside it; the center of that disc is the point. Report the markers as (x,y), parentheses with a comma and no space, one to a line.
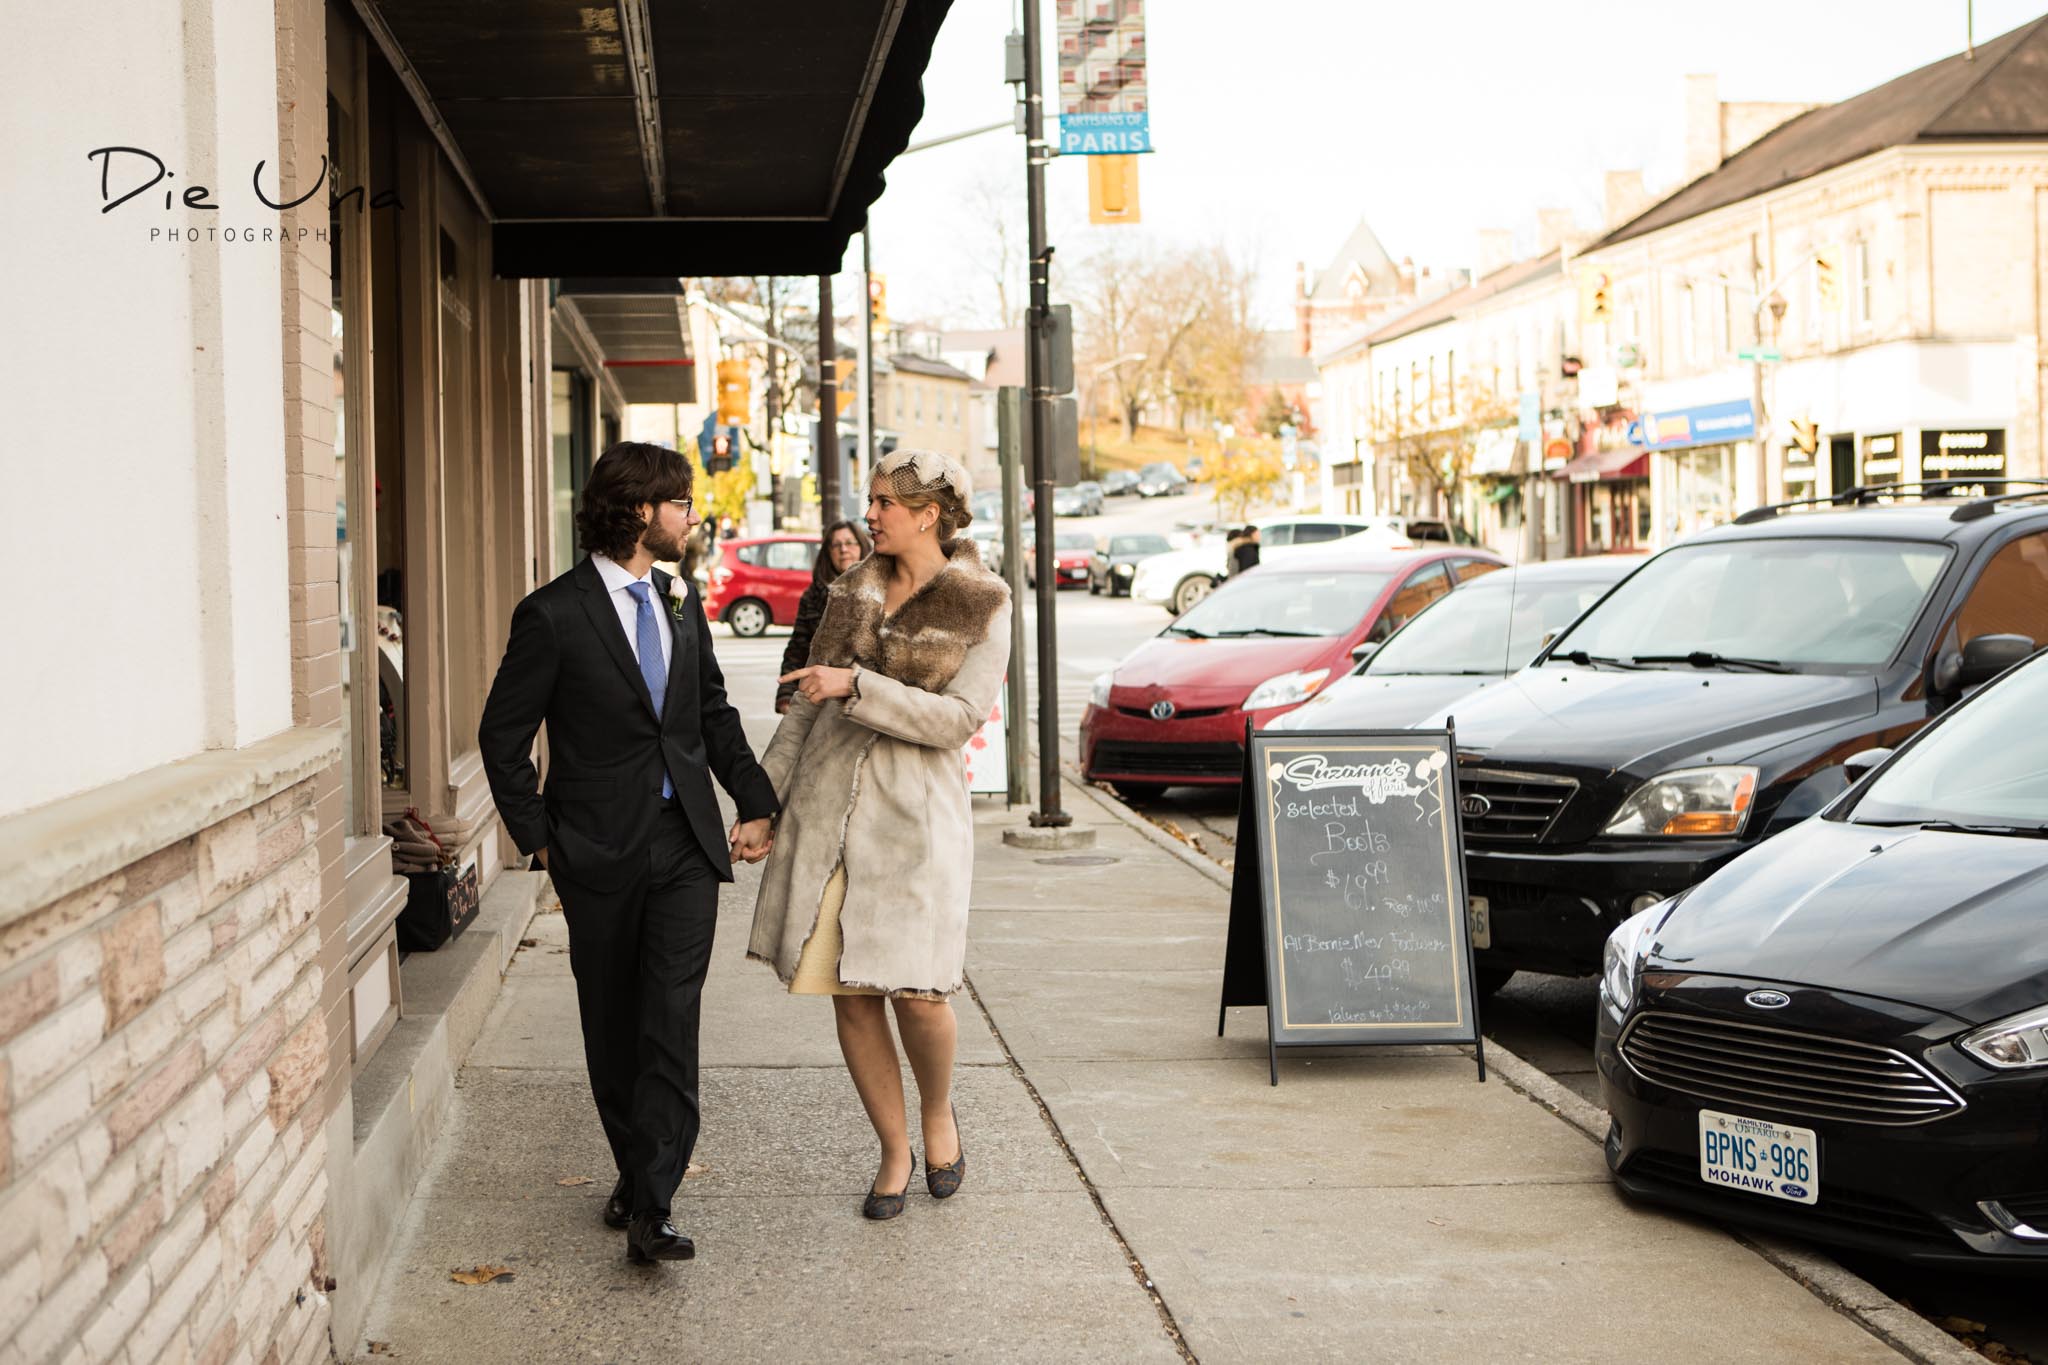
(661,544)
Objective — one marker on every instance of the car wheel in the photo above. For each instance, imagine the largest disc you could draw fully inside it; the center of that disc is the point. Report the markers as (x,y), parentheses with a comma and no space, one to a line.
(1139,791)
(748,618)
(1191,590)
(1491,979)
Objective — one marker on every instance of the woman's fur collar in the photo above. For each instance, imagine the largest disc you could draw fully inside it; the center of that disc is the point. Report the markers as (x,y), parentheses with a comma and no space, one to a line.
(927,639)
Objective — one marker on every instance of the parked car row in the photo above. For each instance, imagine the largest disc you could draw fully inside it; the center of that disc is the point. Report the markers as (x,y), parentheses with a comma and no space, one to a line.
(1178,581)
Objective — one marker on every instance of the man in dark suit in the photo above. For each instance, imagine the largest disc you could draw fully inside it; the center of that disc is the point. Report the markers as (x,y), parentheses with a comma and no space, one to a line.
(615,658)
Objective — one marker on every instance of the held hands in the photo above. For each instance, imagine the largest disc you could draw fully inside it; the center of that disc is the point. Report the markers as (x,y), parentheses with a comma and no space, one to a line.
(752,839)
(821,684)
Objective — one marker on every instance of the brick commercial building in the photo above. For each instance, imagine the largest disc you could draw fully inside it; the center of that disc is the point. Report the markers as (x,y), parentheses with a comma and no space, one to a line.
(332,444)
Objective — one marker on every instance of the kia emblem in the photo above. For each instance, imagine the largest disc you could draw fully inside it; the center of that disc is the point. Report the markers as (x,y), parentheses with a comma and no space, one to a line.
(1162,710)
(1473,806)
(1768,1000)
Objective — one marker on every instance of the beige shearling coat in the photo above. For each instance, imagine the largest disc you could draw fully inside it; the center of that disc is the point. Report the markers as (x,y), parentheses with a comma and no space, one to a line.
(877,780)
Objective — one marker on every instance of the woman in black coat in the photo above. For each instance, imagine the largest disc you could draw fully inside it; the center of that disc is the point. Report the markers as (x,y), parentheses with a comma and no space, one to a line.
(845,545)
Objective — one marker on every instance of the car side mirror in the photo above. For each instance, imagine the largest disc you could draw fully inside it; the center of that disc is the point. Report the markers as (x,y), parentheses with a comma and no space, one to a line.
(1364,650)
(1856,765)
(1987,656)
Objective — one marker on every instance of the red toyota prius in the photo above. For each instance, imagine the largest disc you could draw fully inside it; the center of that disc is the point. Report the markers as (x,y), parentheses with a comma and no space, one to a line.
(1173,713)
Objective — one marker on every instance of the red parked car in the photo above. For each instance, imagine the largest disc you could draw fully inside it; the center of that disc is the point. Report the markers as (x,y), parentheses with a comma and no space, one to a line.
(1174,712)
(755,581)
(1072,549)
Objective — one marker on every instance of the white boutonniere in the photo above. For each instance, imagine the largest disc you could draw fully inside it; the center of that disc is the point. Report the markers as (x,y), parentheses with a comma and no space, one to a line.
(678,598)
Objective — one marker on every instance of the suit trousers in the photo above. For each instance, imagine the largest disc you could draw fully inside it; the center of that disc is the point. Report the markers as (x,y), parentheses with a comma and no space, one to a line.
(639,955)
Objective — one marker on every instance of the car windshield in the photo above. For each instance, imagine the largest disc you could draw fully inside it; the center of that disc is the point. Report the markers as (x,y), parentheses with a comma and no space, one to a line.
(1073,540)
(1986,765)
(1284,604)
(1493,625)
(1139,545)
(1823,602)
(1160,467)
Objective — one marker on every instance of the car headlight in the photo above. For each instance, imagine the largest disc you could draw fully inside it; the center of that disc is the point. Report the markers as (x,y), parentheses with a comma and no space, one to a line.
(1688,801)
(1098,691)
(1287,689)
(2020,1041)
(1621,965)
(1124,570)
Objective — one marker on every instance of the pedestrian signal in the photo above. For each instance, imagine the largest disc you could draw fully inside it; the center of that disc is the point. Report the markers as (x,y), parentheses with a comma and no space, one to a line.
(734,395)
(1827,277)
(721,454)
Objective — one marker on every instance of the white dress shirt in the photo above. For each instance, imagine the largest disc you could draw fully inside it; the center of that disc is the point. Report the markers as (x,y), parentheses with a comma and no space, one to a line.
(616,581)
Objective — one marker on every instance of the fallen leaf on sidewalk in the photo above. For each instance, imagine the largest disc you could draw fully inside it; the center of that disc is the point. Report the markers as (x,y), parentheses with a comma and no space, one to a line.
(380,1348)
(483,1274)
(528,942)
(574,1180)
(695,1168)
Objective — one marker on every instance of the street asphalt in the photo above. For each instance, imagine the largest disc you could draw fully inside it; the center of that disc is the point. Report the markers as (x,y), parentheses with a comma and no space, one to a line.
(1136,1190)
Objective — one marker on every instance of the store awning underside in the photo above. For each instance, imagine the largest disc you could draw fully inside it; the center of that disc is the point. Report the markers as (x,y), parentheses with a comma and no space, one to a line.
(666,137)
(1625,462)
(640,329)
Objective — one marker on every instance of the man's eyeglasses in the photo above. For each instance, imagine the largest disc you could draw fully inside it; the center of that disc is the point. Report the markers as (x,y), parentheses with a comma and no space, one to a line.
(685,503)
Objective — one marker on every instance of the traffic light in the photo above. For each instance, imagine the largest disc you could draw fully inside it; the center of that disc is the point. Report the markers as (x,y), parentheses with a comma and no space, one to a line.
(1806,435)
(1827,277)
(1596,289)
(721,454)
(1113,189)
(734,392)
(878,302)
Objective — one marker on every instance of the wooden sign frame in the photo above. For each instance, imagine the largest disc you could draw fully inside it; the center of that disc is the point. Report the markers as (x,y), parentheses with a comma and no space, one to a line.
(1253,973)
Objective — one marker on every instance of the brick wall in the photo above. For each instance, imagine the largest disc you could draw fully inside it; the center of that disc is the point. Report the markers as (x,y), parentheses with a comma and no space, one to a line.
(161,1059)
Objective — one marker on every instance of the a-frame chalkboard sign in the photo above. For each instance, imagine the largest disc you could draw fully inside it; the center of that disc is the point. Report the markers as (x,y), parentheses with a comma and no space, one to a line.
(1347,903)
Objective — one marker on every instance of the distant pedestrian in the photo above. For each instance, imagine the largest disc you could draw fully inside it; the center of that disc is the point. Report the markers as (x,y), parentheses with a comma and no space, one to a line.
(1244,551)
(864,897)
(845,545)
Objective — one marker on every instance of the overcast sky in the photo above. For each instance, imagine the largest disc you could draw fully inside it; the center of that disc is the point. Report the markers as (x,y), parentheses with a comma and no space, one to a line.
(1280,123)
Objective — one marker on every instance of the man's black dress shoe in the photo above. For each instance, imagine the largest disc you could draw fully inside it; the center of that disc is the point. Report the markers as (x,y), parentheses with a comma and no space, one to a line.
(653,1238)
(618,1210)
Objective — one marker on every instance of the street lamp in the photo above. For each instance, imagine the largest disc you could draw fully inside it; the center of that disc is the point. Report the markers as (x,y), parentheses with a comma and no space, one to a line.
(1095,416)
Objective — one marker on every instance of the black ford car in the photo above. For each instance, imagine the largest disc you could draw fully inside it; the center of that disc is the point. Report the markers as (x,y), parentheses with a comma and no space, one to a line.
(1713,699)
(1843,1034)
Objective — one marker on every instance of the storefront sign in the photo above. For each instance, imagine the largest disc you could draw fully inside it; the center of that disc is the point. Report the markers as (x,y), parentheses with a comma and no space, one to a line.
(1104,97)
(1962,454)
(1712,424)
(1557,452)
(1529,418)
(1881,461)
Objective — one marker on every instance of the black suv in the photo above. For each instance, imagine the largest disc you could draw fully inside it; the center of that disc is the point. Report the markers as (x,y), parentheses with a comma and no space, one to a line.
(1719,694)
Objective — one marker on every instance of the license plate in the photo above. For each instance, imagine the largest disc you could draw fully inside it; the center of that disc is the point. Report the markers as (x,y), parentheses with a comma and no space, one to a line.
(1479,915)
(1759,1156)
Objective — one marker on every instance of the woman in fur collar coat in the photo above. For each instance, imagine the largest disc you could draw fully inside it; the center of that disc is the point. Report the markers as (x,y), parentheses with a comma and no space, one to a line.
(864,897)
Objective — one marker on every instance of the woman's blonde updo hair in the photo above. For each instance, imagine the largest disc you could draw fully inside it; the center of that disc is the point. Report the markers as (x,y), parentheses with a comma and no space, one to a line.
(928,478)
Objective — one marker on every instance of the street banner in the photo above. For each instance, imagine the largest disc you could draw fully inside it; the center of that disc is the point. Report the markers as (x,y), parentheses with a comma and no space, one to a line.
(1349,920)
(1105,101)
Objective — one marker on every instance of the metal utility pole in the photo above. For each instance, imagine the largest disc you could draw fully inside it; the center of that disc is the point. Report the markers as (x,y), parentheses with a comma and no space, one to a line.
(828,408)
(1038,398)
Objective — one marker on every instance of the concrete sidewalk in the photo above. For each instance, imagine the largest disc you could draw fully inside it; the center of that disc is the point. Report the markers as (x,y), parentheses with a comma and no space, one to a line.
(1380,1206)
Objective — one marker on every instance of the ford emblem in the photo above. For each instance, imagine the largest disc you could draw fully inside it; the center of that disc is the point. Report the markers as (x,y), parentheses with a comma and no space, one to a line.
(1162,710)
(1768,1000)
(1792,1190)
(1473,806)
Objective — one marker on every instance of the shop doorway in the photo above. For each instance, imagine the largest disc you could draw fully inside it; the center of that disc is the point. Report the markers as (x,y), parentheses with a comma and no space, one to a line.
(1841,464)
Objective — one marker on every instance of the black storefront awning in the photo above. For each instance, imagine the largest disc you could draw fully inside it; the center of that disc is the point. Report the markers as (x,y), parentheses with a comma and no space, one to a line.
(642,329)
(666,137)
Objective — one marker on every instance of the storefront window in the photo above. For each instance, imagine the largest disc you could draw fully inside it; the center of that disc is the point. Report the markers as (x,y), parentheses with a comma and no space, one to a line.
(1703,488)
(568,429)
(1882,460)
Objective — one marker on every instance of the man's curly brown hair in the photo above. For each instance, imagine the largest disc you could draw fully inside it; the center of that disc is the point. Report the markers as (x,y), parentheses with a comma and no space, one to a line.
(626,478)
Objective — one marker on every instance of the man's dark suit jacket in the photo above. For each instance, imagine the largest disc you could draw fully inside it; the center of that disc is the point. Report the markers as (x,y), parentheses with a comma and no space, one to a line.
(567,663)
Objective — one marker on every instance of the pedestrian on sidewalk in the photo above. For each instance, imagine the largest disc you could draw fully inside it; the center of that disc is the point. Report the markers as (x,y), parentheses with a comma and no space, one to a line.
(614,657)
(865,894)
(1244,551)
(844,546)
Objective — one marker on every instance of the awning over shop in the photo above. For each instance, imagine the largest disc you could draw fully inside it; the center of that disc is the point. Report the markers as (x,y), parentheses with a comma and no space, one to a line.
(1623,463)
(641,330)
(681,138)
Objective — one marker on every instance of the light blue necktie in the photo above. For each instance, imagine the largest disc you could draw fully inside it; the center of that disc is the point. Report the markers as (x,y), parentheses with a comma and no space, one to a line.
(648,632)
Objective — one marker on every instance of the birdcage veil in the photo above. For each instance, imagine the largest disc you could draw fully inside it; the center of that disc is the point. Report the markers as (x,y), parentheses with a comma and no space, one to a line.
(922,473)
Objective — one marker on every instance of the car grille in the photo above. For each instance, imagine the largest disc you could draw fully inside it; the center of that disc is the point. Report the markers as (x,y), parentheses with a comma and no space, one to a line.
(1850,1211)
(1518,808)
(1192,713)
(1784,1071)
(1168,760)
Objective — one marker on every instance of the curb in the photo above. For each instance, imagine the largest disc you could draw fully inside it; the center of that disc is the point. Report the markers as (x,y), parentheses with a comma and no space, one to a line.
(1849,1294)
